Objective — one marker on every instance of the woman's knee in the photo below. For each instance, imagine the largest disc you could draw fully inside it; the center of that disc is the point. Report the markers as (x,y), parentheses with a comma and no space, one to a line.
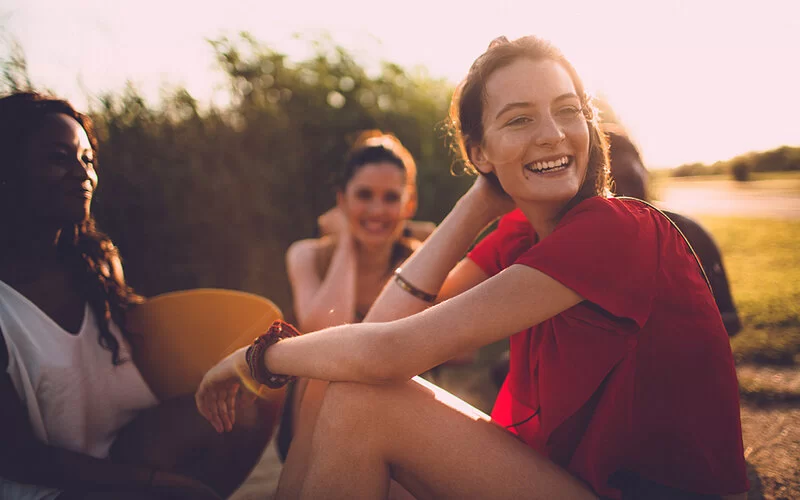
(355,406)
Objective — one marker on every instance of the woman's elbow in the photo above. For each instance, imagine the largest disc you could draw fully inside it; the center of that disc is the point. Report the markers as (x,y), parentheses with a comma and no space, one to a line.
(382,373)
(382,362)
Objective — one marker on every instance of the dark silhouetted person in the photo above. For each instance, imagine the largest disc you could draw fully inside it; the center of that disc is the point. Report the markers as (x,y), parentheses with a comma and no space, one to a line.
(631,179)
(77,420)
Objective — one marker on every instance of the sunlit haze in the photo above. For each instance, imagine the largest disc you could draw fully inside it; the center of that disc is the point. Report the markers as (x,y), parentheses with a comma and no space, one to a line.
(692,80)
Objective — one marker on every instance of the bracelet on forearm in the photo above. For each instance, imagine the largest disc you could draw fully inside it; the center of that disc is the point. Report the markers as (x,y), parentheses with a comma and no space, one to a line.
(255,355)
(408,287)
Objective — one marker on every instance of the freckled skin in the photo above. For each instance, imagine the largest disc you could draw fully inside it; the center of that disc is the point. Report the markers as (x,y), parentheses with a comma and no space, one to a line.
(533,131)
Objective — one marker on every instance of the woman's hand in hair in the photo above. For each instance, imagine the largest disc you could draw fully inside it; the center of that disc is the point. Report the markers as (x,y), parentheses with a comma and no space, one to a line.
(333,222)
(487,194)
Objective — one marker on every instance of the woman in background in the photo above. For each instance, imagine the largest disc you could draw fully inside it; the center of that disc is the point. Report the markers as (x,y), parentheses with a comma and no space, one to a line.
(336,278)
(631,178)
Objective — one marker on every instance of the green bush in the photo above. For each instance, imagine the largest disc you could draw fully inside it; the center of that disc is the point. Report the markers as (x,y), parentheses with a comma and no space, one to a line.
(213,198)
(740,171)
(782,159)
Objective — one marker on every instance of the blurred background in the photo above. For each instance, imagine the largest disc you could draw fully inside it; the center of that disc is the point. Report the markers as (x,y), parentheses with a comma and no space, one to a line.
(221,125)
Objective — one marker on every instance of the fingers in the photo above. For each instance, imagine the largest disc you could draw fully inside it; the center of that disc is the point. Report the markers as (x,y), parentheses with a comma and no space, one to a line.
(211,403)
(226,405)
(233,390)
(221,409)
(201,400)
(216,396)
(213,410)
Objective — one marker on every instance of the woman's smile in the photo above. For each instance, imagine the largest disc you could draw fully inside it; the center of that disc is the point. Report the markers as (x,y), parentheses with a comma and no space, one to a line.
(378,226)
(536,137)
(545,167)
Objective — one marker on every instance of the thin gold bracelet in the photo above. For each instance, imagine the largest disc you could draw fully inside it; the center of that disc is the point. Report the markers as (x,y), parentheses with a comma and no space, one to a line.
(408,287)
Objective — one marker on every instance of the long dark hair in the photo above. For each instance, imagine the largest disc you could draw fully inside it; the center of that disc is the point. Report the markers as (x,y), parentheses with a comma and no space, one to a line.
(86,252)
(466,108)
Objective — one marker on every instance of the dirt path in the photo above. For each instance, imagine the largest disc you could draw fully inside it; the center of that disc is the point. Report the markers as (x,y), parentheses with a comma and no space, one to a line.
(772,450)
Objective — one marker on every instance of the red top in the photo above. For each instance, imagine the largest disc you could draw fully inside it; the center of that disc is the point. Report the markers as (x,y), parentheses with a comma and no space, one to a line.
(639,377)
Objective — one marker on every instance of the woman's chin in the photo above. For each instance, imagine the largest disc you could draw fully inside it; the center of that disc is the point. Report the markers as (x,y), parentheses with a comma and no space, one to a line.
(376,239)
(553,195)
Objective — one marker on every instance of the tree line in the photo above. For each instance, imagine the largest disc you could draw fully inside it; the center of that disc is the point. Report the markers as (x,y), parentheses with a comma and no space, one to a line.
(213,197)
(782,159)
(198,197)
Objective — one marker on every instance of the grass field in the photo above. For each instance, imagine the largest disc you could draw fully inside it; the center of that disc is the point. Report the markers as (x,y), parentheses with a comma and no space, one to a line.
(762,259)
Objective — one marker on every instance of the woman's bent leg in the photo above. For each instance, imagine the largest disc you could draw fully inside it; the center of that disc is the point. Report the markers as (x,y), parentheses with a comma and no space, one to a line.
(175,437)
(432,443)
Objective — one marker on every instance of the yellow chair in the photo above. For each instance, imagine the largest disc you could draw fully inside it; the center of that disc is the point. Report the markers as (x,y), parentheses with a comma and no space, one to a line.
(180,335)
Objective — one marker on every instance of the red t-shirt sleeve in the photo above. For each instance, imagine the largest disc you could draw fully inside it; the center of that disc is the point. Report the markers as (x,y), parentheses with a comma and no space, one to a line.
(606,250)
(501,247)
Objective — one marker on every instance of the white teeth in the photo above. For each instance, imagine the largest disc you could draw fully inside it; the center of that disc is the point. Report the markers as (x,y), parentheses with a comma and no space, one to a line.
(541,166)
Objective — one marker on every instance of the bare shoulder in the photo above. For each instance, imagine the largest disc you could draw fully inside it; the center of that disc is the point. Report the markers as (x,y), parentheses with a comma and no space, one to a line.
(413,243)
(307,251)
(420,229)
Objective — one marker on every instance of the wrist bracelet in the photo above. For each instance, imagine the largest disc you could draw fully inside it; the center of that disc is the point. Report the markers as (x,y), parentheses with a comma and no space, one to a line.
(255,355)
(408,287)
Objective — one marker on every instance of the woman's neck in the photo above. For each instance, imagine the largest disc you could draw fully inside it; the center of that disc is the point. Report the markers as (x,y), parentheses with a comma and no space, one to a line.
(32,251)
(374,259)
(543,218)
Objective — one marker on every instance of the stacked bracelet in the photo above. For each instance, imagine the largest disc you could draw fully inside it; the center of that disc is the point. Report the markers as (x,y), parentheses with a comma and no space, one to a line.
(255,355)
(408,287)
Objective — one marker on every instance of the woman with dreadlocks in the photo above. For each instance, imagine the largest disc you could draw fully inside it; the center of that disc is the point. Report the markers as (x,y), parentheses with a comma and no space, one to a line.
(77,420)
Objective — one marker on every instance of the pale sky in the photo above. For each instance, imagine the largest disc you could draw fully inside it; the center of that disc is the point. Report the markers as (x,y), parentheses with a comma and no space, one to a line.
(694,80)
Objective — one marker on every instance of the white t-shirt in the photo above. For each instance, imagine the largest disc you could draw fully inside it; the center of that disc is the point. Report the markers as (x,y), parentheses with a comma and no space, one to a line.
(75,396)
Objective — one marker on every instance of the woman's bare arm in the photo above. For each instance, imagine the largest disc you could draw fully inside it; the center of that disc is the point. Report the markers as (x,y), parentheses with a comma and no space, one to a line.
(322,302)
(515,299)
(433,267)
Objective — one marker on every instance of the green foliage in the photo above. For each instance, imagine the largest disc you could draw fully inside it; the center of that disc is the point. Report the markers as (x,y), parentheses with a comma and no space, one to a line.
(782,159)
(213,198)
(689,169)
(740,171)
(15,76)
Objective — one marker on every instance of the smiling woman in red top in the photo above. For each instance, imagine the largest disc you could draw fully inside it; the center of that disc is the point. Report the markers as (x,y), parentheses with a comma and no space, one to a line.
(620,386)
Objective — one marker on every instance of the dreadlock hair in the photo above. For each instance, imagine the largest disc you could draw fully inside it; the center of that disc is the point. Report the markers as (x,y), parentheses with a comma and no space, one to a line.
(86,252)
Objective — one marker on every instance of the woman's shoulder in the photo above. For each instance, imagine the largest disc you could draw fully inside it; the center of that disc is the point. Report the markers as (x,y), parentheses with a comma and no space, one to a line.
(601,213)
(308,248)
(620,206)
(312,253)
(410,243)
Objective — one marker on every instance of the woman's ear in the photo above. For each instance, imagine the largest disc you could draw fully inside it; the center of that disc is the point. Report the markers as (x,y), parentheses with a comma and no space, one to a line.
(478,158)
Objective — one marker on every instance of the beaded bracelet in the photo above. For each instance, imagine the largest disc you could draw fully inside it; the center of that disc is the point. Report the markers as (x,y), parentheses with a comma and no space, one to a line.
(255,355)
(408,287)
